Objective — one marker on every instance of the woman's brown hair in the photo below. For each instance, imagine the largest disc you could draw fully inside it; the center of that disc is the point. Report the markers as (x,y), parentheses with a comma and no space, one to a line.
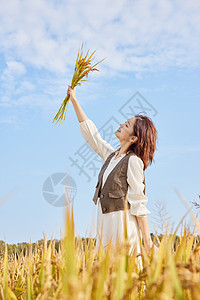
(147,135)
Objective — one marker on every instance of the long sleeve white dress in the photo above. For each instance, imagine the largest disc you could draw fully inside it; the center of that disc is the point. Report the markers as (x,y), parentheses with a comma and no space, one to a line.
(111,225)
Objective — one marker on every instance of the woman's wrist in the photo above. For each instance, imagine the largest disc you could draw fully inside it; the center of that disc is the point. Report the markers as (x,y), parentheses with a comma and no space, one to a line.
(73,99)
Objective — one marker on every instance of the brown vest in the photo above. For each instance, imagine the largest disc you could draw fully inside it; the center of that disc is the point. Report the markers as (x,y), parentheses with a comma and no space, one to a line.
(113,194)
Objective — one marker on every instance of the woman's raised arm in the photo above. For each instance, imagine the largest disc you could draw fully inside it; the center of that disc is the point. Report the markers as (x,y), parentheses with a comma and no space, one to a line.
(78,109)
(89,130)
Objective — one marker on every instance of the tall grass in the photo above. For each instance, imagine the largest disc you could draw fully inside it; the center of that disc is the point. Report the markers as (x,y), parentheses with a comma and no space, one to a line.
(78,271)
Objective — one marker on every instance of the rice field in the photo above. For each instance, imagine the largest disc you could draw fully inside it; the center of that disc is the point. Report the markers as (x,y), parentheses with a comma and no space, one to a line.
(76,271)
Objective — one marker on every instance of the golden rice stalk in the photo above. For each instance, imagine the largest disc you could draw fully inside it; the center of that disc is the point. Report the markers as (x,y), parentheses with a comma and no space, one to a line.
(69,270)
(30,291)
(82,68)
(7,292)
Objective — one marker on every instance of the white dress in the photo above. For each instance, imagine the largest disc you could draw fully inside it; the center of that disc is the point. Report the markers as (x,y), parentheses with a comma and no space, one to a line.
(111,225)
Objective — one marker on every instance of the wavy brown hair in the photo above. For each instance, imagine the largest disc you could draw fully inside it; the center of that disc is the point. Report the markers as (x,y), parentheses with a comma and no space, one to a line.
(147,135)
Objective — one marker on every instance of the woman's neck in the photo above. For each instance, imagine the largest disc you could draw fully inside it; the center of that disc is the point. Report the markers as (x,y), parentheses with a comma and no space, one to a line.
(120,151)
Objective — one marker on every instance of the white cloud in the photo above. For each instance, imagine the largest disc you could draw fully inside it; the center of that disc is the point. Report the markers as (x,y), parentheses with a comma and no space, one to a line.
(25,87)
(133,35)
(11,120)
(40,38)
(13,69)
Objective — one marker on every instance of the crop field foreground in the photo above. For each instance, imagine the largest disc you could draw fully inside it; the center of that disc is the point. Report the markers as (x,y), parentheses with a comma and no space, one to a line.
(76,270)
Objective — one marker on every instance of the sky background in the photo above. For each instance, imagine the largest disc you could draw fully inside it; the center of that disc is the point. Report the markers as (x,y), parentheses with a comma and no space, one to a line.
(152,51)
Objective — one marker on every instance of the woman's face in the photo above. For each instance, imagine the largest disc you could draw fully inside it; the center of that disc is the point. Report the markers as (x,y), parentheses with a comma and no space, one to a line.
(125,130)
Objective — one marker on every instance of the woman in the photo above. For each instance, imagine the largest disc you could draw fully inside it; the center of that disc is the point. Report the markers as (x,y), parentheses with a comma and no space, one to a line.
(121,177)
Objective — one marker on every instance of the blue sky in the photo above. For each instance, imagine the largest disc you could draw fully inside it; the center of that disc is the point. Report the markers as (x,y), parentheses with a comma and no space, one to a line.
(152,53)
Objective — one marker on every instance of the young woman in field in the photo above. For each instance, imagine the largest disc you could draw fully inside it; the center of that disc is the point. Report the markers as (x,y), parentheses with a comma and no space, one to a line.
(121,177)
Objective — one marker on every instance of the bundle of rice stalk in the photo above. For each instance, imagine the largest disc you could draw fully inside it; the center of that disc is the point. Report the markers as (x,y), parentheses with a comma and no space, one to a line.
(82,68)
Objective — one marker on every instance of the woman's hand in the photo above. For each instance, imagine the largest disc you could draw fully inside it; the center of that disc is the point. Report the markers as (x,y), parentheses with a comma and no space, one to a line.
(71,92)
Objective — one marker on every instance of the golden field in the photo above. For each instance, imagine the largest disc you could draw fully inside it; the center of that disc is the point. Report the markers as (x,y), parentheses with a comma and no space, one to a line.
(74,270)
